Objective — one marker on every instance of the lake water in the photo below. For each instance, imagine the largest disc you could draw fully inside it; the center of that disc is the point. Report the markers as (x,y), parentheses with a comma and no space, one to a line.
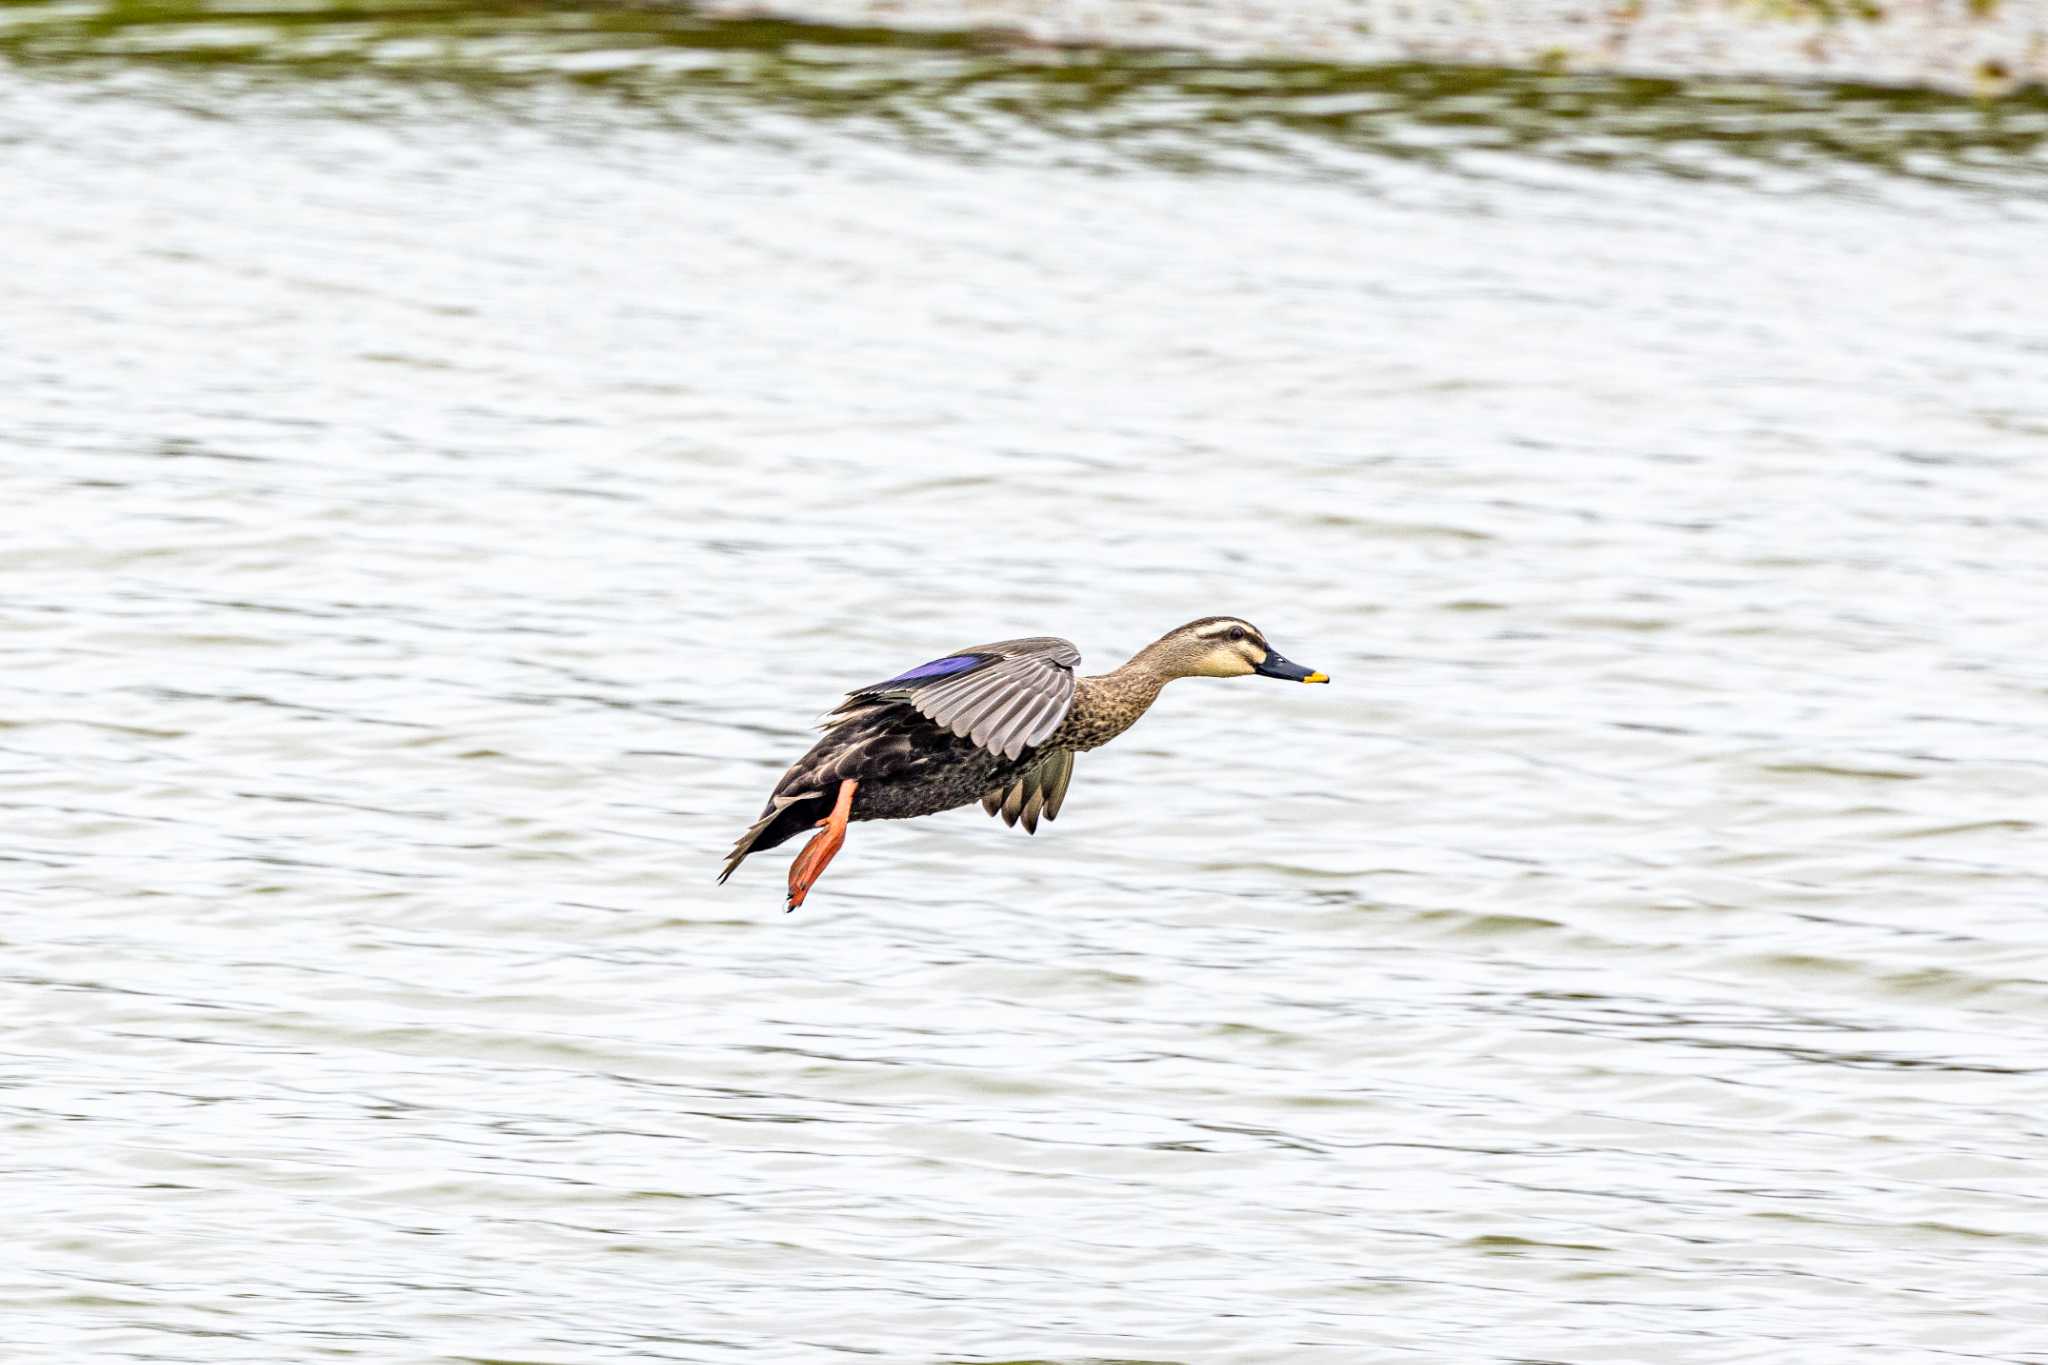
(451,455)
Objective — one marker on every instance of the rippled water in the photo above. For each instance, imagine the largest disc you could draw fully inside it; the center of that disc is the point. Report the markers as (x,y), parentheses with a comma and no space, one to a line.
(1969,46)
(443,486)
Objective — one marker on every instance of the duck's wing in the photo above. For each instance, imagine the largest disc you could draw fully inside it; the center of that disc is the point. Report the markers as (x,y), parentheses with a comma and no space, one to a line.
(1007,697)
(1037,793)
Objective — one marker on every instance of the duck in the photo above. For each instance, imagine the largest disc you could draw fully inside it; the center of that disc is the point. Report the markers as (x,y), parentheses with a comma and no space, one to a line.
(997,723)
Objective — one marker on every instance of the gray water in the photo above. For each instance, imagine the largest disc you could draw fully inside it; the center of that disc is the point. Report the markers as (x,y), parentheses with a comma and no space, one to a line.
(1970,47)
(442,487)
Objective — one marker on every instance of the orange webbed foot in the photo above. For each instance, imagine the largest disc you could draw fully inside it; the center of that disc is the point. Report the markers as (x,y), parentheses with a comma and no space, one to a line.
(810,863)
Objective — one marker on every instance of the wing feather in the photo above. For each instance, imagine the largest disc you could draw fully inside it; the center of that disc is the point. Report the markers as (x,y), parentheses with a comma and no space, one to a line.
(973,720)
(1036,794)
(952,692)
(1056,789)
(1032,807)
(1007,697)
(1022,719)
(1005,728)
(1039,726)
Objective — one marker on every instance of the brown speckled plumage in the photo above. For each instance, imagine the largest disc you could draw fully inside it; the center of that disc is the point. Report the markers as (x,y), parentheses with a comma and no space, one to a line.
(999,724)
(1105,707)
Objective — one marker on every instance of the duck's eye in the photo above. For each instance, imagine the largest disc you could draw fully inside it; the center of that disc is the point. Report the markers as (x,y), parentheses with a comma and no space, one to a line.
(1237,632)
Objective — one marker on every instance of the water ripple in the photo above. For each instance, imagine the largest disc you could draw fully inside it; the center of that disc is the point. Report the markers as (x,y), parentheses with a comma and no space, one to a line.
(453,477)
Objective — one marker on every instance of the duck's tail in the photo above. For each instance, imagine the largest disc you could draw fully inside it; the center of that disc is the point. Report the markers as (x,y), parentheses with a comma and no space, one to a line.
(765,833)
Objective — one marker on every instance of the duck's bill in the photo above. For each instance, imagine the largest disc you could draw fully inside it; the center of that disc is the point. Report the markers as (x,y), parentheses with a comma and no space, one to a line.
(1278,665)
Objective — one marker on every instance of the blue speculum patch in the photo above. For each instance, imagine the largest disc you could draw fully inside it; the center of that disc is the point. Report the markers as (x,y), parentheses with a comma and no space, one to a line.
(939,668)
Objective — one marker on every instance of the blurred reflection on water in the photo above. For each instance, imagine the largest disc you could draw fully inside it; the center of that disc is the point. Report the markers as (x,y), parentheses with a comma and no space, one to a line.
(452,455)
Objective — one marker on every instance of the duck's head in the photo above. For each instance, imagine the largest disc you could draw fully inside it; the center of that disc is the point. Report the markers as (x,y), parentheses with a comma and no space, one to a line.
(1222,647)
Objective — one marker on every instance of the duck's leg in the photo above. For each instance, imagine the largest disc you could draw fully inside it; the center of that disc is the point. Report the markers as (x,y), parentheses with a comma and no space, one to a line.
(810,864)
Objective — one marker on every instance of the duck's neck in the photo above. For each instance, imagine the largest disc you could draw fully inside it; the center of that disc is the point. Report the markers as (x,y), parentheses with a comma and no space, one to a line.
(1108,704)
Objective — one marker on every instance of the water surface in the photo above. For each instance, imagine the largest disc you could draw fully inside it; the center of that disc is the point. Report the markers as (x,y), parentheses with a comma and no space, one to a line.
(446,476)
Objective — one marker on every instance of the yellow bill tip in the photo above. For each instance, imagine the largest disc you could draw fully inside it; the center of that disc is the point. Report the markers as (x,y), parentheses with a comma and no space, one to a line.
(1316,677)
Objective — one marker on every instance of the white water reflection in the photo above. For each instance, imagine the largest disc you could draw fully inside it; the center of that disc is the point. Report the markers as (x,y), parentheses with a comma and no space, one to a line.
(431,535)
